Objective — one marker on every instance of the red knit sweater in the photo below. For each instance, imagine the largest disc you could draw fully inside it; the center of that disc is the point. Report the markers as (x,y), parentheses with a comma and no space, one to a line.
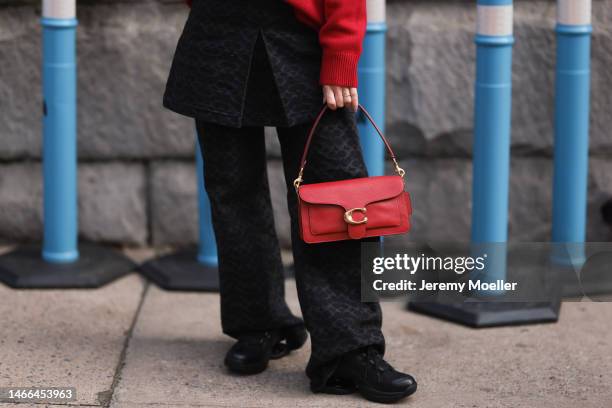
(341,25)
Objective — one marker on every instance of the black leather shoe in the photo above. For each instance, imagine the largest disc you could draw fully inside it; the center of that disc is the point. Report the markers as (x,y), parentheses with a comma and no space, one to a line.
(253,351)
(294,336)
(368,373)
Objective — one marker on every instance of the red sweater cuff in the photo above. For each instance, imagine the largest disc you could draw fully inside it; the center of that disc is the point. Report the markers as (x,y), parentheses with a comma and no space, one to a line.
(339,69)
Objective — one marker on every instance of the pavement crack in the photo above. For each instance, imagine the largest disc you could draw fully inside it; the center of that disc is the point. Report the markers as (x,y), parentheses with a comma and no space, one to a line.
(105,397)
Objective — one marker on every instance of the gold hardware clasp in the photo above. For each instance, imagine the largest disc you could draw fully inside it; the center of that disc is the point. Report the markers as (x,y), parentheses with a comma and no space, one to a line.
(298,180)
(401,172)
(348,216)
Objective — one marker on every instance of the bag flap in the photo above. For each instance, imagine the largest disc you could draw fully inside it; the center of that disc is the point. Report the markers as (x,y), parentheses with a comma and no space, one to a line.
(352,193)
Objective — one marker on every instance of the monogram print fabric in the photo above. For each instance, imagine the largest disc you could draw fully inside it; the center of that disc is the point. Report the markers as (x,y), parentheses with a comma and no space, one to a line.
(230,51)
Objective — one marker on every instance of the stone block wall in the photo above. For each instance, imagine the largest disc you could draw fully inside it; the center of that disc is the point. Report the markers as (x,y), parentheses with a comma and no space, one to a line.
(137,181)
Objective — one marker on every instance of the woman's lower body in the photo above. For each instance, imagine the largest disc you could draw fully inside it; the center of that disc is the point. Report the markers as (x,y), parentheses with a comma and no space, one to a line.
(327,275)
(239,66)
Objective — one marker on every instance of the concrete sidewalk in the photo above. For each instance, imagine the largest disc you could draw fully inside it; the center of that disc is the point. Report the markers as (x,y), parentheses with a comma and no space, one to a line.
(130,344)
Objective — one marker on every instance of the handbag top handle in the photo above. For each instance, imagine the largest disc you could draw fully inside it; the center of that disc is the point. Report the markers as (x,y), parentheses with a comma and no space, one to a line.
(311,133)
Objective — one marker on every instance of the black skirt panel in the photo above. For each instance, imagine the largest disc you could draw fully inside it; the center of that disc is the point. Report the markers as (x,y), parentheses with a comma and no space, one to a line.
(245,63)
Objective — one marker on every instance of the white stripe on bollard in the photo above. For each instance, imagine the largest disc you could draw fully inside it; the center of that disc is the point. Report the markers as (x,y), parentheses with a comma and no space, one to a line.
(376,11)
(60,9)
(574,12)
(495,20)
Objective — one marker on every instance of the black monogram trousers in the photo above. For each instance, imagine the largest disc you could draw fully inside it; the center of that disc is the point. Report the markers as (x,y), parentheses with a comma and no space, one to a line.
(327,274)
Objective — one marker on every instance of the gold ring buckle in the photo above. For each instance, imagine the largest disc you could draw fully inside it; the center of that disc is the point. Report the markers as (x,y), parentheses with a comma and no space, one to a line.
(348,216)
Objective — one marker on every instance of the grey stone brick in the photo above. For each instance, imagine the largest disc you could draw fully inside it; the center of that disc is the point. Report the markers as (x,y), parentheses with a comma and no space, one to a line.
(431,74)
(113,203)
(20,83)
(440,190)
(21,202)
(124,55)
(174,203)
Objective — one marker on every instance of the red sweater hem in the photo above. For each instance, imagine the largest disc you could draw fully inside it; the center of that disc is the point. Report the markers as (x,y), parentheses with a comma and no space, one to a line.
(339,69)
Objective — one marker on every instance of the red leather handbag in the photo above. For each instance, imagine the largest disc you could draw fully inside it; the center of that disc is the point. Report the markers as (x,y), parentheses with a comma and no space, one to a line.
(354,208)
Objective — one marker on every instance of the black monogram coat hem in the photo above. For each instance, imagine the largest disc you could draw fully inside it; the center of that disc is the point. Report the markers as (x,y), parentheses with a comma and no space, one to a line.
(232,54)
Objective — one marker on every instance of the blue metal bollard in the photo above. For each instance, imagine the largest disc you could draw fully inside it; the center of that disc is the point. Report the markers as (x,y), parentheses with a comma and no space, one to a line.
(492,121)
(59,131)
(61,263)
(492,124)
(372,87)
(207,249)
(492,117)
(571,155)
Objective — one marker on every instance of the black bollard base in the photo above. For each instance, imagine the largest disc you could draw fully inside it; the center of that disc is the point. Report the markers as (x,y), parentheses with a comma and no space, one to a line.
(599,283)
(536,299)
(588,276)
(24,268)
(181,271)
(480,314)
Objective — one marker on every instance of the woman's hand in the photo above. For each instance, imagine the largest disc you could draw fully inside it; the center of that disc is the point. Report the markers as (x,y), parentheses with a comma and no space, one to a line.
(340,96)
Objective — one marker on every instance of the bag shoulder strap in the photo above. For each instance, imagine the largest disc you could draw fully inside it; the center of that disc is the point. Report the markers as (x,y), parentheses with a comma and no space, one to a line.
(313,129)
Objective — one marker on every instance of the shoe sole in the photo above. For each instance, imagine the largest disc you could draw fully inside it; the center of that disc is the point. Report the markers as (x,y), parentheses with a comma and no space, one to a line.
(385,397)
(246,369)
(369,393)
(337,389)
